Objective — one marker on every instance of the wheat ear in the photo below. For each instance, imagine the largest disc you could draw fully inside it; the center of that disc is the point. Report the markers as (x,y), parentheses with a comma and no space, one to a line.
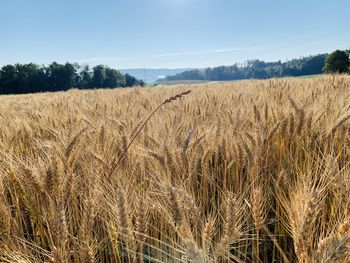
(177,96)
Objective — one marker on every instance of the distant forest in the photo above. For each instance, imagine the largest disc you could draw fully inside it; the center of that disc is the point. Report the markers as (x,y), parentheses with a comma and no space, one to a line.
(256,69)
(30,78)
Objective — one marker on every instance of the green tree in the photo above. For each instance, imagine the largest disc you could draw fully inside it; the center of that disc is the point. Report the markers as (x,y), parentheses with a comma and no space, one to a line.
(61,77)
(85,78)
(29,76)
(114,78)
(99,76)
(8,78)
(70,75)
(129,80)
(337,62)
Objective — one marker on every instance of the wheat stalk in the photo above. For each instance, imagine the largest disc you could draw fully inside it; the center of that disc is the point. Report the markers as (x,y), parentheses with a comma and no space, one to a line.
(171,99)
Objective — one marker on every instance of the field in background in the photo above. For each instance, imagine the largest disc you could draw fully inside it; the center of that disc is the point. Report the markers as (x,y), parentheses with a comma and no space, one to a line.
(249,171)
(310,76)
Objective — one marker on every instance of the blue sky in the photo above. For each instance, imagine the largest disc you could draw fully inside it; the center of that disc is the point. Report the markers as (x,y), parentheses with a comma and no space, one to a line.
(169,33)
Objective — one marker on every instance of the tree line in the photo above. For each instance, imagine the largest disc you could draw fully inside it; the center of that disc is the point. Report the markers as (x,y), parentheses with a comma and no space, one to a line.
(338,61)
(30,78)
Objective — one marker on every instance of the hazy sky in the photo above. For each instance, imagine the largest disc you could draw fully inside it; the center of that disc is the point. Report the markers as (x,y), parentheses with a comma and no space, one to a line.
(169,33)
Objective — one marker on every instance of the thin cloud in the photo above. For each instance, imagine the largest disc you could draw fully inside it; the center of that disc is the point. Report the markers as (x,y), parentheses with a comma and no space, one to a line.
(226,50)
(177,2)
(169,54)
(102,59)
(221,50)
(180,54)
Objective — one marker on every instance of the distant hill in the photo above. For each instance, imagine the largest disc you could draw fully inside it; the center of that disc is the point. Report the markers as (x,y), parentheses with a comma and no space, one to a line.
(150,75)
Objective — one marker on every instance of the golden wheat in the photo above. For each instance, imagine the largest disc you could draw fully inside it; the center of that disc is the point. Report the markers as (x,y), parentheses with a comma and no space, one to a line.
(247,171)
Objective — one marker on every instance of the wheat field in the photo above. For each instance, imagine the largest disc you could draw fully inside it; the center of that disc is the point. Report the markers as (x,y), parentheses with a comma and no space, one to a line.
(248,171)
